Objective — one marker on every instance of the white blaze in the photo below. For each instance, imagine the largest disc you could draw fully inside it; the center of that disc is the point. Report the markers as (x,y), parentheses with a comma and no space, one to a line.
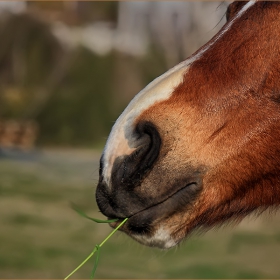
(158,90)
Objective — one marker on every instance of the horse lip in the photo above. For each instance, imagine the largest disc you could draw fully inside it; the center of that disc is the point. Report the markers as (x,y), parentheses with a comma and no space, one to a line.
(196,187)
(116,223)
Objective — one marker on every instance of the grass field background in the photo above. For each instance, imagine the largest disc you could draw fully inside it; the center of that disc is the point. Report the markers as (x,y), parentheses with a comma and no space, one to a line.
(42,237)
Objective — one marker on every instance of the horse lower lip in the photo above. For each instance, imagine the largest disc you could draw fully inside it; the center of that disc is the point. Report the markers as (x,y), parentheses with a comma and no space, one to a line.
(145,217)
(116,223)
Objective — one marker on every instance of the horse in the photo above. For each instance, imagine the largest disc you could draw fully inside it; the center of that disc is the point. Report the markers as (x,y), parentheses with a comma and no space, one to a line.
(200,145)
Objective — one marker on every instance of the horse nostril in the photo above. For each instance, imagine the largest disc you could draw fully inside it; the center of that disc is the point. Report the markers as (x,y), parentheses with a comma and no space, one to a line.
(129,170)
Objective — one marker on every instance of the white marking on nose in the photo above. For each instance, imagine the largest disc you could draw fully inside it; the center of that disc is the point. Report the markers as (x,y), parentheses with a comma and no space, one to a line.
(120,141)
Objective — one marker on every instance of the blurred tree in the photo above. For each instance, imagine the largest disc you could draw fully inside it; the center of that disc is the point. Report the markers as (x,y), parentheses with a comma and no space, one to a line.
(76,12)
(75,93)
(79,111)
(28,53)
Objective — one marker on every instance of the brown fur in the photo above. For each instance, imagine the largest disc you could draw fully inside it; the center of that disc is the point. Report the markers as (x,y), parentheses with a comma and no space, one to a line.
(225,117)
(219,146)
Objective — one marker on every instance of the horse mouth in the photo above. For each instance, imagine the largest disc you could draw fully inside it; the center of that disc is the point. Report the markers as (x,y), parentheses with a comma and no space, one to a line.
(145,221)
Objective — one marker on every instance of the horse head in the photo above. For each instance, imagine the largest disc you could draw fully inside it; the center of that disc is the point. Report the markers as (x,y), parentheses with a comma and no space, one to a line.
(199,146)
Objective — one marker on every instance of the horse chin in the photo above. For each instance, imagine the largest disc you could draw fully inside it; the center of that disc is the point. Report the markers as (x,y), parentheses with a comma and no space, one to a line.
(154,226)
(161,238)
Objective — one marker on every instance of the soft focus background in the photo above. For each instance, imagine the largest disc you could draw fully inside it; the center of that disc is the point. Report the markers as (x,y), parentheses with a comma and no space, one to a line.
(67,70)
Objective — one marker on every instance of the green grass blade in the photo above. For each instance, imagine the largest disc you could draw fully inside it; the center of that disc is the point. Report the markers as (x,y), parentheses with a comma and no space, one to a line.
(79,266)
(96,249)
(96,261)
(81,213)
(102,243)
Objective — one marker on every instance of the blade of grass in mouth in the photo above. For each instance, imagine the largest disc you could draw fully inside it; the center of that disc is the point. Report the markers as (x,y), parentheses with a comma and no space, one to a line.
(97,247)
(81,213)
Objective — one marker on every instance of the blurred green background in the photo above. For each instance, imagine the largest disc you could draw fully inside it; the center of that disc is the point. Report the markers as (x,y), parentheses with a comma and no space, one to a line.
(67,70)
(42,237)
